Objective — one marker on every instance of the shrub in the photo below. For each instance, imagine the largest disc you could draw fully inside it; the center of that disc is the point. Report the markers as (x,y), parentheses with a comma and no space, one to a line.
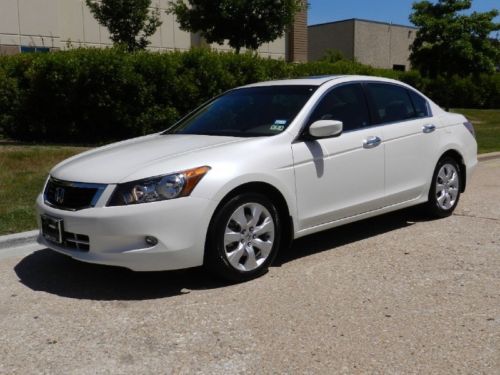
(101,95)
(9,101)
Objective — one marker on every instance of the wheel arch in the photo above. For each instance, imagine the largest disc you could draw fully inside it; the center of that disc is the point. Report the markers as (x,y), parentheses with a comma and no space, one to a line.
(457,156)
(275,196)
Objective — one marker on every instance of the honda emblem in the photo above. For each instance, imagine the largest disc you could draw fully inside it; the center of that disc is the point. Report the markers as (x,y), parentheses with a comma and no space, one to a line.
(59,195)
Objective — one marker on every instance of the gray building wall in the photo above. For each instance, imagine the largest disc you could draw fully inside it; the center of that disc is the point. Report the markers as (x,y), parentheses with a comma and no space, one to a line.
(335,35)
(381,45)
(62,24)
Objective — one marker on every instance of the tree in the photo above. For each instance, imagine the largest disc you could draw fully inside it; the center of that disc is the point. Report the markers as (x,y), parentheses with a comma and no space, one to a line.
(243,23)
(450,42)
(130,22)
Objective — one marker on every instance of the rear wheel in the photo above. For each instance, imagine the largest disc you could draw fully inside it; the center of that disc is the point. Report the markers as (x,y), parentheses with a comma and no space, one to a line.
(244,238)
(444,193)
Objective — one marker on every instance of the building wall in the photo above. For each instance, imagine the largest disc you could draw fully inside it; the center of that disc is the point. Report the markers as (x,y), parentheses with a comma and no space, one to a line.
(378,44)
(62,24)
(383,45)
(29,22)
(297,43)
(335,35)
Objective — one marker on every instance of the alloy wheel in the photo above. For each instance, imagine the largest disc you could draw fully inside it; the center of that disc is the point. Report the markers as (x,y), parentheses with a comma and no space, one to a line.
(447,186)
(249,237)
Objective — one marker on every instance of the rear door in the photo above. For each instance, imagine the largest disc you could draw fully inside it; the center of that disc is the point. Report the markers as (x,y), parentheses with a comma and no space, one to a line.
(410,137)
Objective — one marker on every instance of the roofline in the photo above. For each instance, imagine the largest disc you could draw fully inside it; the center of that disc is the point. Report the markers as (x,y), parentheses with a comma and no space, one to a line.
(319,81)
(313,81)
(364,20)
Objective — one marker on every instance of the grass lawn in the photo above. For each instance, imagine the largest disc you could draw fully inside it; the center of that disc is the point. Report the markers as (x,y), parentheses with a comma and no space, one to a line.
(23,170)
(487,125)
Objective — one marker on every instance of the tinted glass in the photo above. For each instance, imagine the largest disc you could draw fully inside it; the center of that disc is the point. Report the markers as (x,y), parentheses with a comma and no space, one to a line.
(248,112)
(345,103)
(392,103)
(420,104)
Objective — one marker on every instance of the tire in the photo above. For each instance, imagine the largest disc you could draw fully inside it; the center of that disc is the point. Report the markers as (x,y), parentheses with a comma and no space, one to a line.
(244,238)
(446,185)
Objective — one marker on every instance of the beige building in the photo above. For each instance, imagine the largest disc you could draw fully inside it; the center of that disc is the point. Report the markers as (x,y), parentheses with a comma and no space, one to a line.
(381,45)
(42,25)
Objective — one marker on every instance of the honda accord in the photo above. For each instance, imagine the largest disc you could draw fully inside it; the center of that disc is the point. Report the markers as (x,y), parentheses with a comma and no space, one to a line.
(235,181)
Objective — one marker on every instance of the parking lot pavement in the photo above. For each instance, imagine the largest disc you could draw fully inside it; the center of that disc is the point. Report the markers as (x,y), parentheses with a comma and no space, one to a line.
(395,294)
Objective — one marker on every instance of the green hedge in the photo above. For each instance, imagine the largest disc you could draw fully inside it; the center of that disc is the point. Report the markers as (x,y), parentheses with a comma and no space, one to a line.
(100,95)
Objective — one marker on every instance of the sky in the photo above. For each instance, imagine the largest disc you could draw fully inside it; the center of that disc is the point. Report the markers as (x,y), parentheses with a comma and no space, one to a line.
(395,11)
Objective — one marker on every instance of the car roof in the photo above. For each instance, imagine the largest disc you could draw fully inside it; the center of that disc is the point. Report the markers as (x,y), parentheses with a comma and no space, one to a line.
(320,80)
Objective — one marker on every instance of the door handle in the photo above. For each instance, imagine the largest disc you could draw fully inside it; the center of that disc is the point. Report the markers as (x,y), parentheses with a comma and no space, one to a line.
(371,142)
(428,128)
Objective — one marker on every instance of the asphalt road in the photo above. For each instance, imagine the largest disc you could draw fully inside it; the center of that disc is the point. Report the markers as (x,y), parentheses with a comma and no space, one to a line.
(394,294)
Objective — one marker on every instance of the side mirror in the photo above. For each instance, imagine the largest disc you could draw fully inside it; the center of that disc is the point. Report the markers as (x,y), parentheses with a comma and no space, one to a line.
(325,128)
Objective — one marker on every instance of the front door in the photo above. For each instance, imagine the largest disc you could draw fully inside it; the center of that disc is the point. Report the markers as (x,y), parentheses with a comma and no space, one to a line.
(343,176)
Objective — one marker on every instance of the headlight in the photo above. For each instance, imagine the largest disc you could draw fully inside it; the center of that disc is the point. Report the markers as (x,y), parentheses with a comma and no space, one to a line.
(158,188)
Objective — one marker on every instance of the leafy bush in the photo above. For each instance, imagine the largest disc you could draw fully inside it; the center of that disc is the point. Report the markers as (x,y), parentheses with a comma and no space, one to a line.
(459,92)
(9,101)
(101,95)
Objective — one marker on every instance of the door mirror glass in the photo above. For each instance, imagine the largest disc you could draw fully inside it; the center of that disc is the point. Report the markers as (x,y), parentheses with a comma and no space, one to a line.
(325,128)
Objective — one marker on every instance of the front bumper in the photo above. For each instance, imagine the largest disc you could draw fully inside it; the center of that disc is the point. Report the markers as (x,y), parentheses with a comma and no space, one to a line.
(117,234)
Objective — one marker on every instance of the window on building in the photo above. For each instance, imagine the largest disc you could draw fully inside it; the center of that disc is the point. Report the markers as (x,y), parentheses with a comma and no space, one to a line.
(392,103)
(32,49)
(345,103)
(399,68)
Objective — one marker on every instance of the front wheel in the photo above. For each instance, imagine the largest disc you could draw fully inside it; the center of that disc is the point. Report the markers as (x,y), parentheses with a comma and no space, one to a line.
(244,238)
(444,193)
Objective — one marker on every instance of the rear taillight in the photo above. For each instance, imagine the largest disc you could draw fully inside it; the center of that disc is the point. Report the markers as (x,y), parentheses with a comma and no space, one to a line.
(470,128)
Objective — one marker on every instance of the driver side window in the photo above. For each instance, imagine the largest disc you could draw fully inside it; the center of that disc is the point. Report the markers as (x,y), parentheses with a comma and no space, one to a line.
(346,103)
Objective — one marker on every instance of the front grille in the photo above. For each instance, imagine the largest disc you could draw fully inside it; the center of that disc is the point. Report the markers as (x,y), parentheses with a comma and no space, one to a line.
(72,195)
(73,241)
(76,241)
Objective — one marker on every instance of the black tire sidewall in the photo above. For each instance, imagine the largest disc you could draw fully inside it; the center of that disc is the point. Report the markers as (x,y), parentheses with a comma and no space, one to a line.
(215,256)
(433,206)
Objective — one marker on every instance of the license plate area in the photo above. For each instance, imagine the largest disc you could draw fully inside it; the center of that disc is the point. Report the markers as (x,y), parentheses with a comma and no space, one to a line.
(52,229)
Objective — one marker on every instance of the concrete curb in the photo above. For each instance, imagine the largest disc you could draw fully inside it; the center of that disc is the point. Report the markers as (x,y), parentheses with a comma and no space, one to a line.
(18,239)
(28,239)
(19,244)
(490,156)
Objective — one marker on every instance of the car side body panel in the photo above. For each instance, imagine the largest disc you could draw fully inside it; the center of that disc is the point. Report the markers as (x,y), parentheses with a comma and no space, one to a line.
(410,156)
(338,178)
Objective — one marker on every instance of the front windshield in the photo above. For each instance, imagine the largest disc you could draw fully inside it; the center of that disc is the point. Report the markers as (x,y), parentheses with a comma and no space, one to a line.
(247,112)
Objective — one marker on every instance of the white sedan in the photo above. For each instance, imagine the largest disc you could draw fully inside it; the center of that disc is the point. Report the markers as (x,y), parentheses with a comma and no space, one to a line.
(239,178)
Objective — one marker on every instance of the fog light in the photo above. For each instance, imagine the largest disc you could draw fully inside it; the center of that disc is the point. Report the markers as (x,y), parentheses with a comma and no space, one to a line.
(151,241)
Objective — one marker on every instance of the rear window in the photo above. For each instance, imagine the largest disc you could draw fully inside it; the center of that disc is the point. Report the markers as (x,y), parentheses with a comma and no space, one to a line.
(392,102)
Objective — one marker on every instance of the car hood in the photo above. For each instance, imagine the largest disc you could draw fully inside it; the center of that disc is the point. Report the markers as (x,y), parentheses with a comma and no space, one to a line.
(115,162)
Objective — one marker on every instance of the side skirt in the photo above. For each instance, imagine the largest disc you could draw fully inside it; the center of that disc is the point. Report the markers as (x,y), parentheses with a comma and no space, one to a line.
(366,215)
